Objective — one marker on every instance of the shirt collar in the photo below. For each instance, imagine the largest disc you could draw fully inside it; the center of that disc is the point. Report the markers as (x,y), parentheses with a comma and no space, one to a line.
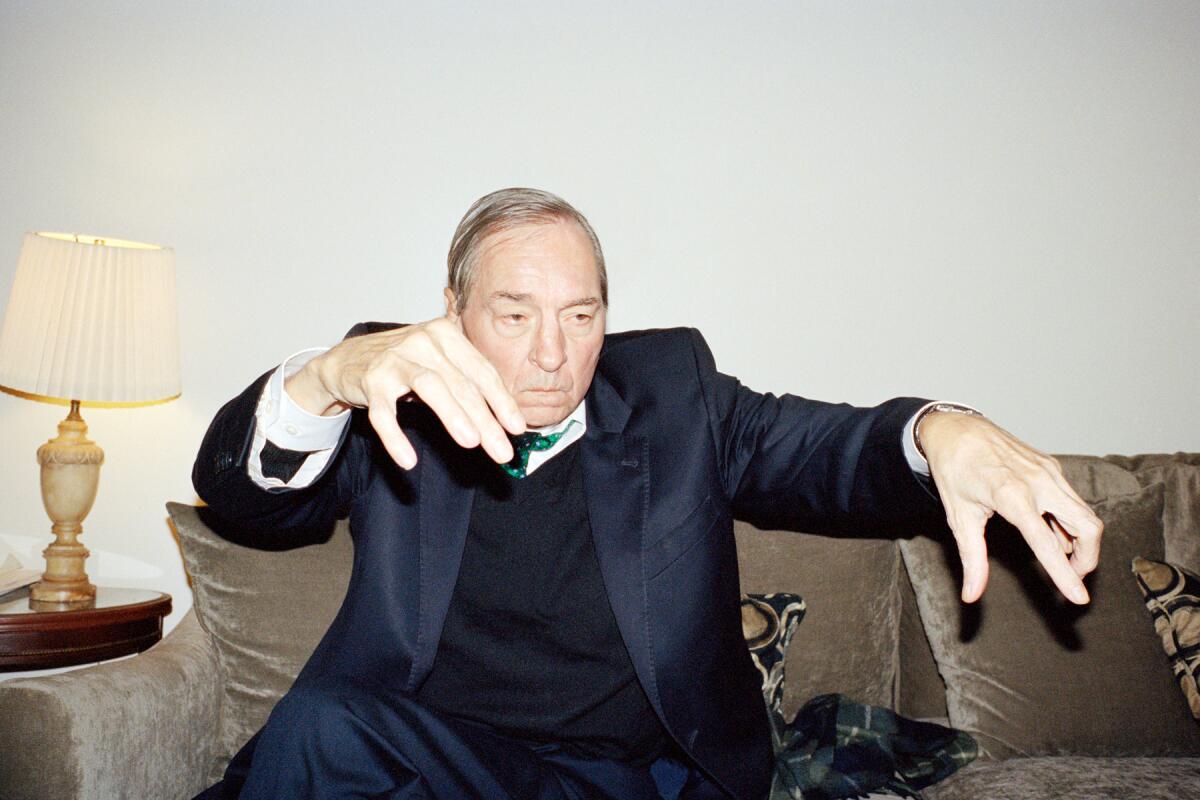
(572,428)
(579,415)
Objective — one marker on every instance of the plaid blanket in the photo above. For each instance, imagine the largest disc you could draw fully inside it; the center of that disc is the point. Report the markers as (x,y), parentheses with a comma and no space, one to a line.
(836,748)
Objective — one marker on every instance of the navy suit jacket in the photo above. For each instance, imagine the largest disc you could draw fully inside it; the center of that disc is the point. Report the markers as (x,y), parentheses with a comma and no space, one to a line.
(673,452)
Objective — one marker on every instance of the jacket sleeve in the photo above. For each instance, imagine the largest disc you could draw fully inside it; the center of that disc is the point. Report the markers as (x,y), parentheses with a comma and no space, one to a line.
(259,517)
(797,464)
(273,518)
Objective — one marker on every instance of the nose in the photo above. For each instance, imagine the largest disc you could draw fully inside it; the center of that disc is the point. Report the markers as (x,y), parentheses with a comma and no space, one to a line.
(549,351)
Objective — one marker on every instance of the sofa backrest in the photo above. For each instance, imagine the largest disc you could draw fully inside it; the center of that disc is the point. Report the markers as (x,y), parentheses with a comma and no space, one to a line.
(869,632)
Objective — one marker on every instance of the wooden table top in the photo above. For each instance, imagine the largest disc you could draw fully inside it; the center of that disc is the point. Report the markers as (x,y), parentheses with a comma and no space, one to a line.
(122,621)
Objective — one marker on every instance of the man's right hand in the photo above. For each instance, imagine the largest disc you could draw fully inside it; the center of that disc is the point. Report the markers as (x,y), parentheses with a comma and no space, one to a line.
(432,361)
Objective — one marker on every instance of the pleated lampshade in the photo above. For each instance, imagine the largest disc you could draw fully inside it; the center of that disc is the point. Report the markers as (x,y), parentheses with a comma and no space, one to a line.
(91,319)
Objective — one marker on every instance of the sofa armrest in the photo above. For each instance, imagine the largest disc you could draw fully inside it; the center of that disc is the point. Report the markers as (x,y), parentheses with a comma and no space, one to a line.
(142,727)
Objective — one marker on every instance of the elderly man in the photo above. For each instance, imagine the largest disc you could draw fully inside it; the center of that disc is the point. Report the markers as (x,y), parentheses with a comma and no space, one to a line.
(544,602)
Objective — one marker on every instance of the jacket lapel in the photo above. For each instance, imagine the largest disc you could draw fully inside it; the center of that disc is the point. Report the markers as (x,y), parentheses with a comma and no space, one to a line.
(447,492)
(616,474)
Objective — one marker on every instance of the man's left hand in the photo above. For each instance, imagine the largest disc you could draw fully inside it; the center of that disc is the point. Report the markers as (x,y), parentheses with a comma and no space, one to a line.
(981,469)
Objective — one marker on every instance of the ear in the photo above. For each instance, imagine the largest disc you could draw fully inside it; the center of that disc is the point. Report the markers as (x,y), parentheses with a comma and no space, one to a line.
(451,304)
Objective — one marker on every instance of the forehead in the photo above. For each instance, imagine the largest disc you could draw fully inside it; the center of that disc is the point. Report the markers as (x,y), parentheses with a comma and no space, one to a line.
(541,258)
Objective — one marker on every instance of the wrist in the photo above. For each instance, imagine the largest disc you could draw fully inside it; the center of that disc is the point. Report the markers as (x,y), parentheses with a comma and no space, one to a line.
(307,390)
(931,412)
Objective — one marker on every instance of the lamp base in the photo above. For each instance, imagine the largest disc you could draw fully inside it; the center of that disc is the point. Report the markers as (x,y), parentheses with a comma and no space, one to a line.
(70,476)
(69,594)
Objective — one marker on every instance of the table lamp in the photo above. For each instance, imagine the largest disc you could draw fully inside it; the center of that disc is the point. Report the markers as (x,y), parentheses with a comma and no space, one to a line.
(91,321)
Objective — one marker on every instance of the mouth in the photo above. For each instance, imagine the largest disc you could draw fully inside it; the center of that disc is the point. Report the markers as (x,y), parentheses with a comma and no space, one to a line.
(539,396)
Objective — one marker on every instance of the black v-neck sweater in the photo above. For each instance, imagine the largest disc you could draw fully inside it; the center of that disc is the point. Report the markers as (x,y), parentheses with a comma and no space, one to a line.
(530,646)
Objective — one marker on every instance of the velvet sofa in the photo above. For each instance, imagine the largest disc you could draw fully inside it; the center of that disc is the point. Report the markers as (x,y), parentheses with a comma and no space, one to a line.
(1064,702)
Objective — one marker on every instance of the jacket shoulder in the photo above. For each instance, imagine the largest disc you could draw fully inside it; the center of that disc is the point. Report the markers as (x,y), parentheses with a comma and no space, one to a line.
(635,344)
(657,357)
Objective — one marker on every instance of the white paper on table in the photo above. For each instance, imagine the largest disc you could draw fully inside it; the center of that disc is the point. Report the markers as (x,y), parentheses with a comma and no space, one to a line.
(12,574)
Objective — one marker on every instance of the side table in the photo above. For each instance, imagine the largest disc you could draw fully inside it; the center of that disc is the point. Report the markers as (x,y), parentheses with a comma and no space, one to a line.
(123,621)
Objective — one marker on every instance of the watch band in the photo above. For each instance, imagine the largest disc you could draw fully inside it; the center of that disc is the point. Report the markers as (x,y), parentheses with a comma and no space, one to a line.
(953,408)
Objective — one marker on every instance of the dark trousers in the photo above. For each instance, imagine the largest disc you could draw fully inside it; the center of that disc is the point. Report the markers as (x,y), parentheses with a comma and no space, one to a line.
(346,741)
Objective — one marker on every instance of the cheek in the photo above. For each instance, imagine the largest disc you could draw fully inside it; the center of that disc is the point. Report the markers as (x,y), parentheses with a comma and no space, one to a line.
(512,373)
(585,366)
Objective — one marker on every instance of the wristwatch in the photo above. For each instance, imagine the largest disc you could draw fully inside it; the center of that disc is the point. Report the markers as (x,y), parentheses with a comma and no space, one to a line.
(953,408)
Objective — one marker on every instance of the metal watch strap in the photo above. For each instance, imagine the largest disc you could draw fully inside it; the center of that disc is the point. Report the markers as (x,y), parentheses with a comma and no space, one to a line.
(953,408)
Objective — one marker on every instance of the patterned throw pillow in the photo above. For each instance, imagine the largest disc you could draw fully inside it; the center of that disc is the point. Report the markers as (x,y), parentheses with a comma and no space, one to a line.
(768,621)
(1173,598)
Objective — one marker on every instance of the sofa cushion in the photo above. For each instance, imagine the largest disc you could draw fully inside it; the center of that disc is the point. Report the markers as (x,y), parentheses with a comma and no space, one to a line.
(1181,508)
(1063,777)
(1150,460)
(1097,478)
(265,611)
(1027,673)
(920,690)
(1173,598)
(848,642)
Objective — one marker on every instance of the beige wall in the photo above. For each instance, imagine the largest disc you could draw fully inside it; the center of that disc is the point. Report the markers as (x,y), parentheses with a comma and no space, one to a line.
(993,202)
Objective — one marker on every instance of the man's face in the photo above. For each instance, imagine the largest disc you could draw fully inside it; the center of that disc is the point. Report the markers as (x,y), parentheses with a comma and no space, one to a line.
(535,312)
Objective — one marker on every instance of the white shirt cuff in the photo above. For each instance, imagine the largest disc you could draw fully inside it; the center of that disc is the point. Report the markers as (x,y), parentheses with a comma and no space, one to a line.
(288,426)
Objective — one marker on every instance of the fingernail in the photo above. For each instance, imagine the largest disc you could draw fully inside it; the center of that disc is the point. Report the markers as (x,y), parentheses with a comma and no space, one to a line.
(1079,595)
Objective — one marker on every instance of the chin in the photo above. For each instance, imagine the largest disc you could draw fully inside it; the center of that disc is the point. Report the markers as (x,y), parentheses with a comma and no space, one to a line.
(541,416)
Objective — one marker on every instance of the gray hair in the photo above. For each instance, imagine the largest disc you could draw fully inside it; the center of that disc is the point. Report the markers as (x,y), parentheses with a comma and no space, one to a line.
(503,210)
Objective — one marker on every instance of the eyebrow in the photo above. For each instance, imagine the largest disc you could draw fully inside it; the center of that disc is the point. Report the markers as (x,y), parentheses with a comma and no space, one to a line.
(524,297)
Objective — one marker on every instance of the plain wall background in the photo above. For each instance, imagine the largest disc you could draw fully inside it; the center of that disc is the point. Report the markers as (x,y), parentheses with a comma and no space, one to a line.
(991,202)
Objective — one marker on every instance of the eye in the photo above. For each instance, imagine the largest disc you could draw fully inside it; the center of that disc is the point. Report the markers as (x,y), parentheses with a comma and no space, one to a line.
(581,318)
(514,319)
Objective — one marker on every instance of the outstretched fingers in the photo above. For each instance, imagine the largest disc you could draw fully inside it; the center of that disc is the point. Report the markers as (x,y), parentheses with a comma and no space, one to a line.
(967,523)
(1045,541)
(486,400)
(1076,521)
(382,416)
(1078,528)
(435,363)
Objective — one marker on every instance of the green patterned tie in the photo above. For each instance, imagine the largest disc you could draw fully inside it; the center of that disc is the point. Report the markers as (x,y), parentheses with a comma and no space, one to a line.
(525,444)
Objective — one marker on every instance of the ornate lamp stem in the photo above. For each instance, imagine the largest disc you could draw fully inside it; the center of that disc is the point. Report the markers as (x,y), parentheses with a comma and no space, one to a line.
(70,476)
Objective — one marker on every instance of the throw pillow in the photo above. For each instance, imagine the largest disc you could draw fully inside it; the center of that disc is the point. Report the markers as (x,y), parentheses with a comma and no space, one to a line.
(265,611)
(1028,673)
(1173,598)
(851,643)
(768,622)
